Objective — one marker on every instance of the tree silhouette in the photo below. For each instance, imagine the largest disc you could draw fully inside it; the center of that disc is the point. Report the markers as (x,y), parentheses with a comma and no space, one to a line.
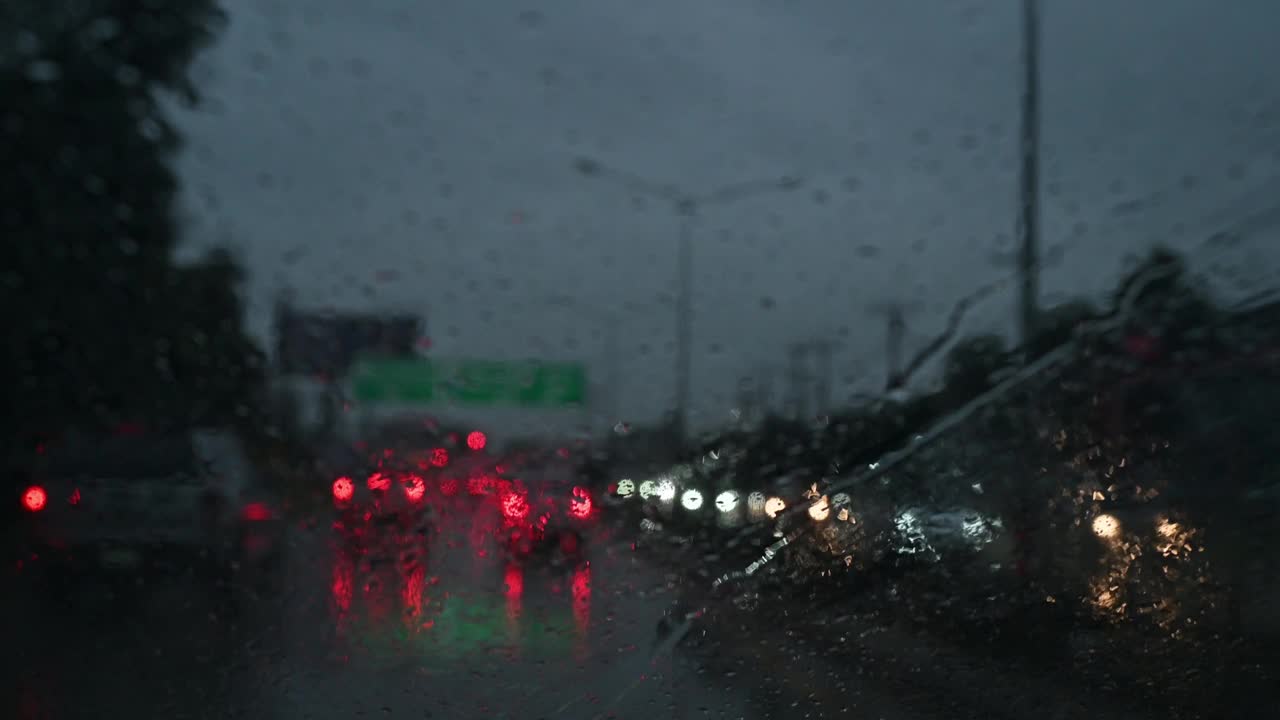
(102,322)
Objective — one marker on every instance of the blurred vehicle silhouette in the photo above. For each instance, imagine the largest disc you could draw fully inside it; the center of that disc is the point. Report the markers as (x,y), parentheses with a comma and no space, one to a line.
(136,502)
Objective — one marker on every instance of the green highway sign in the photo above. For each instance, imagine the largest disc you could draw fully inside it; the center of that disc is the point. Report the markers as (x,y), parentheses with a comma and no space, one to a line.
(469,382)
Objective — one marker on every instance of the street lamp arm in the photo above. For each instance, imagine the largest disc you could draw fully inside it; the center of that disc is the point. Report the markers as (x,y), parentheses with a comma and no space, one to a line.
(738,191)
(635,183)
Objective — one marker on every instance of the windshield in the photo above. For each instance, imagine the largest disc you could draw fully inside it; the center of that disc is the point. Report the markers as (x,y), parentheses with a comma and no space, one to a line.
(675,358)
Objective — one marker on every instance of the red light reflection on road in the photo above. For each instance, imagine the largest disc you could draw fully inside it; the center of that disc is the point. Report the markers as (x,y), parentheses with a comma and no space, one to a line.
(514,581)
(581,589)
(378,481)
(343,584)
(415,582)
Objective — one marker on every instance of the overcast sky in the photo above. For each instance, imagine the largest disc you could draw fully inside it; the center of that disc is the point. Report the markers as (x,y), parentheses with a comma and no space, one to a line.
(418,156)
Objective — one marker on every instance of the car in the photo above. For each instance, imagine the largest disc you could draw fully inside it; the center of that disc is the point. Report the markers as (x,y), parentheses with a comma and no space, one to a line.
(116,505)
(545,517)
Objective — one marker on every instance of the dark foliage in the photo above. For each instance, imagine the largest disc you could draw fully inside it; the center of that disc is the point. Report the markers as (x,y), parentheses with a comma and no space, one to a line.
(103,324)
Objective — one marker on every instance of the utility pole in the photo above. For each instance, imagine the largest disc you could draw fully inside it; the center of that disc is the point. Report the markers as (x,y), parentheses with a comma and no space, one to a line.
(822,386)
(798,376)
(687,206)
(895,312)
(894,339)
(1029,200)
(764,392)
(746,402)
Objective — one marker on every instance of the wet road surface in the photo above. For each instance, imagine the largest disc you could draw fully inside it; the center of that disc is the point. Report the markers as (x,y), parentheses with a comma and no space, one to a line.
(446,629)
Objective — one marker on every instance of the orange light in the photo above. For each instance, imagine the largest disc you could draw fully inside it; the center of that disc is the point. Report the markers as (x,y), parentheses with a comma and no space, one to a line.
(343,489)
(35,498)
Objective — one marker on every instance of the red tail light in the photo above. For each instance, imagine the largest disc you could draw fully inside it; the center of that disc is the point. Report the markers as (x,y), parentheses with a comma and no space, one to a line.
(514,506)
(343,489)
(477,440)
(257,512)
(35,498)
(580,503)
(415,488)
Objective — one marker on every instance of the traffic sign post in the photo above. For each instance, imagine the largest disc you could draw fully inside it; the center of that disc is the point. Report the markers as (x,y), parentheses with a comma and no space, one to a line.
(469,382)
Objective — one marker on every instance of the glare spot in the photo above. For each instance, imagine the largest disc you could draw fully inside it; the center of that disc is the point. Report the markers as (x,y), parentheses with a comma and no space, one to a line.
(666,490)
(821,509)
(727,501)
(1106,526)
(691,500)
(773,506)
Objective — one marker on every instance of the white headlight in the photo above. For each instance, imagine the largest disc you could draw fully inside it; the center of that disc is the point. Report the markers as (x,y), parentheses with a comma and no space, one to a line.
(691,500)
(773,506)
(666,490)
(727,501)
(626,488)
(820,509)
(1106,526)
(648,489)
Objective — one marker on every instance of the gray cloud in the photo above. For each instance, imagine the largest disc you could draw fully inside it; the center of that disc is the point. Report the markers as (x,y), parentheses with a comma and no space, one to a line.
(341,140)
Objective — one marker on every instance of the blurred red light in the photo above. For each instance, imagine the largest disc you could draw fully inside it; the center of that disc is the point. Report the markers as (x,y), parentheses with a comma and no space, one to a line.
(580,503)
(514,506)
(343,489)
(378,481)
(514,580)
(477,440)
(75,497)
(415,488)
(257,512)
(580,586)
(449,486)
(439,457)
(34,498)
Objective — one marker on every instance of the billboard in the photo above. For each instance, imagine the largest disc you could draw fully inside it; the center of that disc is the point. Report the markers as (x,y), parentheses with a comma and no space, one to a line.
(310,343)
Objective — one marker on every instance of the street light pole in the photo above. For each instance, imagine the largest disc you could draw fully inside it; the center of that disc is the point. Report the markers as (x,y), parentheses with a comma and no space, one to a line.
(686,206)
(1029,205)
(684,324)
